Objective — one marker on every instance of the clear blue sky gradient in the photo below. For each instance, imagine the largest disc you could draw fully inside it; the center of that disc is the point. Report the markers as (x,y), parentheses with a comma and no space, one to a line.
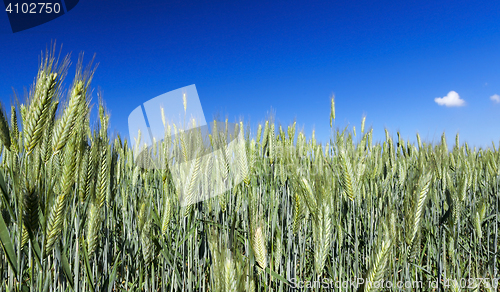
(388,60)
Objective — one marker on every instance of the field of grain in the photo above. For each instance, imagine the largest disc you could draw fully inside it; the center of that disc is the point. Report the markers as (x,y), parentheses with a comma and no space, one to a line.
(79,214)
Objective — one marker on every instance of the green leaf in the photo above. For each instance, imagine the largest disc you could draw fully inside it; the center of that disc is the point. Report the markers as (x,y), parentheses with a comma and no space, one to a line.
(35,246)
(66,268)
(5,195)
(87,265)
(277,276)
(112,277)
(7,246)
(163,252)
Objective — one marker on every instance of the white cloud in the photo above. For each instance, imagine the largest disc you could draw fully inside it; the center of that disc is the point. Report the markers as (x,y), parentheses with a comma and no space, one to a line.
(495,98)
(452,99)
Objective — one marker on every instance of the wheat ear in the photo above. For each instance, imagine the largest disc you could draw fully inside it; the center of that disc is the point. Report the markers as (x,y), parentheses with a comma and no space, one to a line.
(260,248)
(39,110)
(4,130)
(66,123)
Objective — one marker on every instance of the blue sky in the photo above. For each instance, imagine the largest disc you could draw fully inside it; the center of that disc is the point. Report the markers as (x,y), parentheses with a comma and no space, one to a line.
(388,60)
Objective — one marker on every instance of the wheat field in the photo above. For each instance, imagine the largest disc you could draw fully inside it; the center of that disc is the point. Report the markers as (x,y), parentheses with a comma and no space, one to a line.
(79,214)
